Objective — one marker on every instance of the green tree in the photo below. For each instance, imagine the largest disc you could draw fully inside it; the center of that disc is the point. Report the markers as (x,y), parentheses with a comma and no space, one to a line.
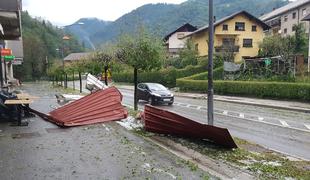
(188,55)
(142,52)
(301,40)
(279,46)
(41,40)
(35,57)
(104,59)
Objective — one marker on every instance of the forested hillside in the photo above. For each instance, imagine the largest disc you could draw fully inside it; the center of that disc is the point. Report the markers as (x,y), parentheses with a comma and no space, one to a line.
(85,27)
(160,19)
(42,45)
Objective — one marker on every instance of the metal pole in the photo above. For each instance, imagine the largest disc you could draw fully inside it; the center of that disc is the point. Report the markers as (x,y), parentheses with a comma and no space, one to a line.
(309,55)
(62,56)
(66,80)
(73,81)
(210,64)
(1,71)
(80,78)
(136,85)
(5,72)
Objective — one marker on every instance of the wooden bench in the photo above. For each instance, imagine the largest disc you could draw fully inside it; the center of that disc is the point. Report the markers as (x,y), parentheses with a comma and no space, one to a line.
(18,102)
(26,97)
(22,102)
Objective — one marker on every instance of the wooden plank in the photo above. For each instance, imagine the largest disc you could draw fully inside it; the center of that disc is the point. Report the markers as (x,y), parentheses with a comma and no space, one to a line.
(25,96)
(14,102)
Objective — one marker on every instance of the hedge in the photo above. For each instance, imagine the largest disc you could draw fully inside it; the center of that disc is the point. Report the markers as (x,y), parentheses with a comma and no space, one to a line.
(166,77)
(218,74)
(279,90)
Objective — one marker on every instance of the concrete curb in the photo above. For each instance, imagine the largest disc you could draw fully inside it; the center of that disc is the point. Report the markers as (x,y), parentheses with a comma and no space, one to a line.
(213,167)
(297,109)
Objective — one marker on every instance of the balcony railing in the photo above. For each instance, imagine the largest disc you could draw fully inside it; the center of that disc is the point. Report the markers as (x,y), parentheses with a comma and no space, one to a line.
(230,48)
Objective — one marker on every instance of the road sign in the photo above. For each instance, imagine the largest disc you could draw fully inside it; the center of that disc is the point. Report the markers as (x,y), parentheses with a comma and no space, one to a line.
(6,52)
(17,62)
(9,58)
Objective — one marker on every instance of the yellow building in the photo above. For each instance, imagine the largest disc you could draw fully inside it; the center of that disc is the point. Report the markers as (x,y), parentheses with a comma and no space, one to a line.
(239,34)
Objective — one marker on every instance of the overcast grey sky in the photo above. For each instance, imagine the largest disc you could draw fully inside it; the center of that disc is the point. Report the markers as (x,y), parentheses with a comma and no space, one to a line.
(65,12)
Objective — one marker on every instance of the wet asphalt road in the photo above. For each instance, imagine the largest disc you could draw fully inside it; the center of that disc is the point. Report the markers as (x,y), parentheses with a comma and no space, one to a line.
(280,130)
(45,151)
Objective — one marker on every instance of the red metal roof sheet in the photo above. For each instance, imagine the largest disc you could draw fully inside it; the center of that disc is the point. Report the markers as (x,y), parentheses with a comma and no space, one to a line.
(101,106)
(165,122)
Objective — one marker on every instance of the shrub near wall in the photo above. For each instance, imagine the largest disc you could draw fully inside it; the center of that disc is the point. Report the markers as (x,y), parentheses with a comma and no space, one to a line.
(280,90)
(166,77)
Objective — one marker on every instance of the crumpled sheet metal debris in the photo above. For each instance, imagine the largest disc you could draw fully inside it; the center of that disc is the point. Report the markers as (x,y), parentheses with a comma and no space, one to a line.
(101,106)
(164,122)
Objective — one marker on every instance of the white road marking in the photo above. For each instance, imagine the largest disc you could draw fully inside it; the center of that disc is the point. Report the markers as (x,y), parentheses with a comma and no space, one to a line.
(241,115)
(284,123)
(264,122)
(188,105)
(259,119)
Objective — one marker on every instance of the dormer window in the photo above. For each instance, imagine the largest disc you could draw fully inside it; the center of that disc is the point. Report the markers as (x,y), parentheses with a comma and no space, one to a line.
(240,26)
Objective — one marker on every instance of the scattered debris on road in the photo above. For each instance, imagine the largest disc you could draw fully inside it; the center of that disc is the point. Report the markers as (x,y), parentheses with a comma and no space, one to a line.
(66,98)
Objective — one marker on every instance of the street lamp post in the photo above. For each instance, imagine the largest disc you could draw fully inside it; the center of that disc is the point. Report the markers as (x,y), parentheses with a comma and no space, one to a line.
(65,38)
(210,65)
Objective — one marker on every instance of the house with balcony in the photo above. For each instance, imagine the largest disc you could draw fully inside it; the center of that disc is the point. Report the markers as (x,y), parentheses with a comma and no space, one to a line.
(239,34)
(283,19)
(175,40)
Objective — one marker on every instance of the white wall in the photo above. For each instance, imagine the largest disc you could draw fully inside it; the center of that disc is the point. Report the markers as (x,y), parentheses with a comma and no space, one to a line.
(175,42)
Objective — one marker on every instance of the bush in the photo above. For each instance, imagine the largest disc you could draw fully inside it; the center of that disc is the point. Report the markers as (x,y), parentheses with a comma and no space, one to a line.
(166,77)
(218,74)
(217,61)
(283,90)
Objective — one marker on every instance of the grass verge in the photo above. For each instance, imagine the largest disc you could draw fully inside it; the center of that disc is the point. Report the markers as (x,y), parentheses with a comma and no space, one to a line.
(263,163)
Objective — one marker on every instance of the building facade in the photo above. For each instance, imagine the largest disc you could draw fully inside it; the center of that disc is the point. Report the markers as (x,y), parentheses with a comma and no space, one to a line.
(282,20)
(175,41)
(239,34)
(11,34)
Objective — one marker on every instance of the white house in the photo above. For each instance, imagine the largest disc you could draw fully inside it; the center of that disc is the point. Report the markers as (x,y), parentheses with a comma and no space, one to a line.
(175,41)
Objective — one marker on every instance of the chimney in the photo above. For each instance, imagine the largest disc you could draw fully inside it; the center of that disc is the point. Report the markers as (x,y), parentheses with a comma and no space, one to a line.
(274,8)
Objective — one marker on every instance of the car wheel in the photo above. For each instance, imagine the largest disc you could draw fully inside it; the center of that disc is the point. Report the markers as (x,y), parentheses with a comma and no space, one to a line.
(170,103)
(151,101)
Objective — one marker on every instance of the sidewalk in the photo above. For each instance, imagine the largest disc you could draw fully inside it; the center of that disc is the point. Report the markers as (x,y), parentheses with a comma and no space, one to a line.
(277,104)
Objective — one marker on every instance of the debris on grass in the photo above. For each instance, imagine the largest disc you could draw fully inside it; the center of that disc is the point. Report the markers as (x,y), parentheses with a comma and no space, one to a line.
(263,163)
(130,123)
